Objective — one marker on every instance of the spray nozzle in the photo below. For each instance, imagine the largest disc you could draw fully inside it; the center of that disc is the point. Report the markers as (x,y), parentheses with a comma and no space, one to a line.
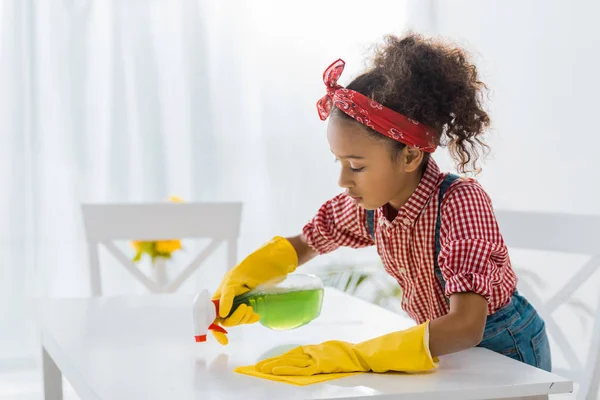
(205,313)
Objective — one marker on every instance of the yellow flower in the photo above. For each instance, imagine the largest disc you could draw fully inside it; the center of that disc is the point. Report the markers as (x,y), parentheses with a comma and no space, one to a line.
(159,248)
(167,246)
(137,245)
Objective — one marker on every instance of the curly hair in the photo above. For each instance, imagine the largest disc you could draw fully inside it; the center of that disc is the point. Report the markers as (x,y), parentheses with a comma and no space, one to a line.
(434,83)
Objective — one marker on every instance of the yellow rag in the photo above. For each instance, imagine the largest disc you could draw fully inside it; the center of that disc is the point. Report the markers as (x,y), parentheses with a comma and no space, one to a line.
(294,380)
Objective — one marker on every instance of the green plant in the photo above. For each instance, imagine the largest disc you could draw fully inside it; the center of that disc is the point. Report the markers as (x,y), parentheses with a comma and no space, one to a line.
(367,281)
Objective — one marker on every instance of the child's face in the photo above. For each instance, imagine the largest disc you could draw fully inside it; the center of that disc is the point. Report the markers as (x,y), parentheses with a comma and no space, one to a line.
(370,173)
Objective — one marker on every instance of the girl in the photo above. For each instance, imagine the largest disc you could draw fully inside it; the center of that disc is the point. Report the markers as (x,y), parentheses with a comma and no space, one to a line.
(435,232)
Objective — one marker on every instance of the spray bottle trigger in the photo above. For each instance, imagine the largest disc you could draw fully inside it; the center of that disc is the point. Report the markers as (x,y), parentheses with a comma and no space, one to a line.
(217,328)
(214,326)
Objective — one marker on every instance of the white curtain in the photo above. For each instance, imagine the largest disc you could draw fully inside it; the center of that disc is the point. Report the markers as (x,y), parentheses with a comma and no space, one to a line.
(130,101)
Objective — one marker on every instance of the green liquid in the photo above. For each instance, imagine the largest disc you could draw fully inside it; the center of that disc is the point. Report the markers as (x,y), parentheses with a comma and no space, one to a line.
(285,310)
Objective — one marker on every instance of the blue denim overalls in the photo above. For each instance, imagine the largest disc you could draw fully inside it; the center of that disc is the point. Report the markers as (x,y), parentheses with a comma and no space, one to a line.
(516,330)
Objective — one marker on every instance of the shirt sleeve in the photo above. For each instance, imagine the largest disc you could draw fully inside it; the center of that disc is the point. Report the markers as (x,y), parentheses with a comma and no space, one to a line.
(473,254)
(340,222)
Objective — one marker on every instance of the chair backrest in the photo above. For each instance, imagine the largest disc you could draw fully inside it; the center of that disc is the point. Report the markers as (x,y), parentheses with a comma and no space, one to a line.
(106,223)
(571,234)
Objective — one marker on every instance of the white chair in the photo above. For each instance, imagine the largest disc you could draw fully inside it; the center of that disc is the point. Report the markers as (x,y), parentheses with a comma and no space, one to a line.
(106,223)
(565,233)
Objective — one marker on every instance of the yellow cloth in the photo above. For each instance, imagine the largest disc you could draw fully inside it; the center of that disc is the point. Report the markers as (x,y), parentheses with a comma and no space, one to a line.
(403,351)
(273,260)
(294,380)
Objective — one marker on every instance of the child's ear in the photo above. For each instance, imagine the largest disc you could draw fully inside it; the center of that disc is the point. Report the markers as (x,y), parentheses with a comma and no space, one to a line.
(412,158)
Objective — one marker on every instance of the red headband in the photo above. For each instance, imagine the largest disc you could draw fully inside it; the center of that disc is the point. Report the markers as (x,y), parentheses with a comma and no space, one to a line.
(372,114)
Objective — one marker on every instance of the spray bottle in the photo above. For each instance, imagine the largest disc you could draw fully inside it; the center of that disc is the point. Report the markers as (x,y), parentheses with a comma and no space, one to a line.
(281,304)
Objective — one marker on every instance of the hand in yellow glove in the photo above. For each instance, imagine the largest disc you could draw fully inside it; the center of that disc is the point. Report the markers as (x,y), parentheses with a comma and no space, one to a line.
(405,351)
(274,260)
(244,314)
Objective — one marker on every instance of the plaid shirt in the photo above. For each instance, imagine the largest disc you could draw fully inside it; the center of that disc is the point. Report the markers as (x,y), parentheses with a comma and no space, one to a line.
(473,256)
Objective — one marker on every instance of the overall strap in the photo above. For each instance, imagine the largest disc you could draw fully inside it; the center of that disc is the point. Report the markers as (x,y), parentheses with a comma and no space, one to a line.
(438,223)
(371,223)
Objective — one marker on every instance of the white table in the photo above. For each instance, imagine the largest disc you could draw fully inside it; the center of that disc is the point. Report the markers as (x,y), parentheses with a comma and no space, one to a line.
(142,347)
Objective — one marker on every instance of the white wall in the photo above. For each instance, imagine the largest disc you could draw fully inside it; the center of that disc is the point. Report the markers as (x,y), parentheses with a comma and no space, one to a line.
(541,62)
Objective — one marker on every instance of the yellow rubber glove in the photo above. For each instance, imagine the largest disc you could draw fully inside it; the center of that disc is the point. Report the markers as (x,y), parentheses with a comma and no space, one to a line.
(404,351)
(244,314)
(273,260)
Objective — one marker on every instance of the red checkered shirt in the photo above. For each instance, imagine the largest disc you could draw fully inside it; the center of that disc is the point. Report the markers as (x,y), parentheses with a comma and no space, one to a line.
(473,255)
